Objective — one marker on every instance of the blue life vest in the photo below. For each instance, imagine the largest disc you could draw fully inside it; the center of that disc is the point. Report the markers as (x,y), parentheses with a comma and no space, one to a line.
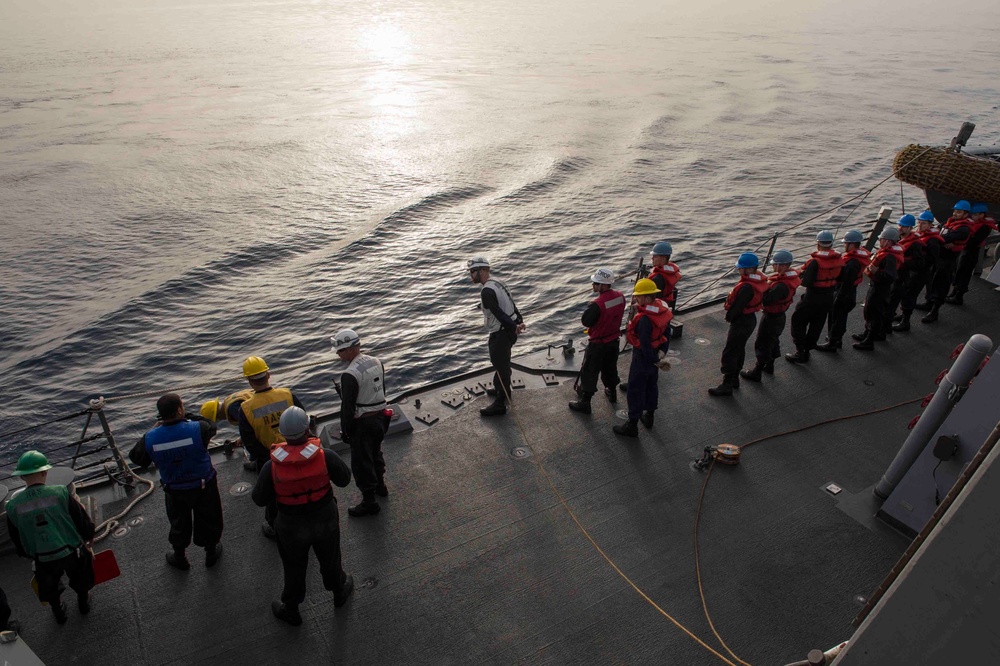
(180,455)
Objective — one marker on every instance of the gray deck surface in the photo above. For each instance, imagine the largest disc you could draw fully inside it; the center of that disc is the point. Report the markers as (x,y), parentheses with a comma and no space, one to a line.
(474,560)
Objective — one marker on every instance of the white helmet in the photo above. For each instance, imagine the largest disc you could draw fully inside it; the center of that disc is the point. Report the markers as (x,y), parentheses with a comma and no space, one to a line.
(477,262)
(345,340)
(603,276)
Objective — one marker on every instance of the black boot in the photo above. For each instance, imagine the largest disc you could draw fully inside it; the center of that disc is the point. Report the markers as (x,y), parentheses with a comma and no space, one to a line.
(866,344)
(178,560)
(898,318)
(931,316)
(798,356)
(904,323)
(498,408)
(83,603)
(212,555)
(754,374)
(954,298)
(286,613)
(769,367)
(725,388)
(367,507)
(863,335)
(612,395)
(341,599)
(59,611)
(381,489)
(647,419)
(623,387)
(628,429)
(583,404)
(924,307)
(830,346)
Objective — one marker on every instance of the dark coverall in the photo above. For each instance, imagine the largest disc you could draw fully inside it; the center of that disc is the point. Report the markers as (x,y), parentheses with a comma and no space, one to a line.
(78,565)
(197,511)
(969,258)
(365,437)
(501,342)
(932,252)
(740,329)
(845,299)
(945,268)
(767,346)
(811,310)
(877,299)
(313,525)
(4,611)
(908,276)
(601,358)
(643,392)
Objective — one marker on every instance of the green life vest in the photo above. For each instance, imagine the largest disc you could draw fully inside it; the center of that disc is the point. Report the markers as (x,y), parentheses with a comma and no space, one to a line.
(42,519)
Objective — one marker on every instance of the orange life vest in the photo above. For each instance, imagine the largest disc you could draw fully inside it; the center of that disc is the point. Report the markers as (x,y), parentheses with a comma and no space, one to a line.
(829,267)
(659,315)
(862,256)
(789,278)
(670,274)
(299,472)
(609,326)
(954,225)
(758,281)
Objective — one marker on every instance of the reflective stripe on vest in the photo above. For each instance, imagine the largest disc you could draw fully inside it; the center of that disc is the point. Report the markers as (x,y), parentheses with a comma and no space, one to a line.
(299,472)
(790,279)
(828,263)
(609,324)
(263,411)
(180,455)
(41,516)
(659,316)
(370,375)
(758,282)
(671,274)
(863,257)
(505,302)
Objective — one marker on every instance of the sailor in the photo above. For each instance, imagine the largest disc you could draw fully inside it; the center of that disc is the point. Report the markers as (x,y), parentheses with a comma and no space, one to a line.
(665,273)
(954,238)
(229,408)
(259,414)
(297,479)
(363,419)
(504,322)
(930,239)
(780,293)
(649,334)
(741,306)
(908,273)
(881,272)
(603,320)
(982,226)
(48,524)
(179,447)
(854,260)
(819,277)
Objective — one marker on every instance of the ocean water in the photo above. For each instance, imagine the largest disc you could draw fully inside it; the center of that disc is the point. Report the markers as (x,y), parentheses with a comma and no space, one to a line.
(186,183)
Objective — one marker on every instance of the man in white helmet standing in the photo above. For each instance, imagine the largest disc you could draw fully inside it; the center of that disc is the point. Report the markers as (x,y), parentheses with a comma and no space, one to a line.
(503,320)
(603,319)
(363,420)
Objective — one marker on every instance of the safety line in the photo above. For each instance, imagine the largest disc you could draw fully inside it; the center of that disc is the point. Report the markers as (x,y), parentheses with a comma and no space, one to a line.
(597,547)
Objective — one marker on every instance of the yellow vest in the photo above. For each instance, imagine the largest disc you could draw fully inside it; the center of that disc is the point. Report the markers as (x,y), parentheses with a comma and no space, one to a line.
(243,395)
(263,411)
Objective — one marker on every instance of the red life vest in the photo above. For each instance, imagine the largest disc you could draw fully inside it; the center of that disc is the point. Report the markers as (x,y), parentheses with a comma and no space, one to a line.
(759,282)
(609,325)
(670,274)
(789,278)
(659,315)
(932,233)
(299,472)
(977,225)
(953,225)
(882,254)
(862,256)
(829,267)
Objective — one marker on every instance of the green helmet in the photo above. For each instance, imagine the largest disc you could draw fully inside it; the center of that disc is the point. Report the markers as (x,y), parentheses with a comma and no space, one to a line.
(32,462)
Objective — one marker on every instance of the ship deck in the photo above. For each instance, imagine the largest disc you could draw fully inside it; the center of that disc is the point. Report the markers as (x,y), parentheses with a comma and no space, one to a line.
(476,558)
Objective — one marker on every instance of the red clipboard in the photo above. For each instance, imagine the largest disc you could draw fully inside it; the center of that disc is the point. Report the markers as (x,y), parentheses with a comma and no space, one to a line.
(105,567)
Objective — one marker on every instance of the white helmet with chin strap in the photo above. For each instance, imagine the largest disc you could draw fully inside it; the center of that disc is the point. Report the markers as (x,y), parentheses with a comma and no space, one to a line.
(603,276)
(345,340)
(477,262)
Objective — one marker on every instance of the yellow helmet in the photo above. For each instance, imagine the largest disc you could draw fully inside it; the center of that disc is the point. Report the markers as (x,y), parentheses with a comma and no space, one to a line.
(645,287)
(210,410)
(254,367)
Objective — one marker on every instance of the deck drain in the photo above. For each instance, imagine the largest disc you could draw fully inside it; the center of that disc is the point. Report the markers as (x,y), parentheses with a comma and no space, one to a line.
(370,583)
(135,522)
(702,341)
(520,452)
(622,414)
(860,599)
(241,488)
(121,531)
(869,382)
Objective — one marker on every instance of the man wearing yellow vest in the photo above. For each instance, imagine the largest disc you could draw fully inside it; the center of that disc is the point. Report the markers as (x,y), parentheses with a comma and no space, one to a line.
(49,525)
(258,422)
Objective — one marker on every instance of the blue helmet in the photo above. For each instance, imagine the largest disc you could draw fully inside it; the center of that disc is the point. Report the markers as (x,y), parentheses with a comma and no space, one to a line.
(748,260)
(853,236)
(962,205)
(663,249)
(907,221)
(980,208)
(825,238)
(782,257)
(926,216)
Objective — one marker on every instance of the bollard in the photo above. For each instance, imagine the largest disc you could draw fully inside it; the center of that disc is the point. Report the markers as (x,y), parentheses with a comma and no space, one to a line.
(948,393)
